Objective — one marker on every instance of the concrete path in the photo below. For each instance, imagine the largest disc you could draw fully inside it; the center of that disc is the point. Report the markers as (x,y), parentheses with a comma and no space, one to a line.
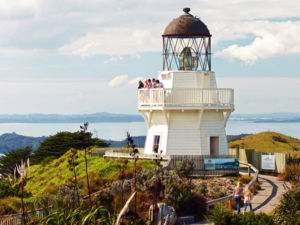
(270,194)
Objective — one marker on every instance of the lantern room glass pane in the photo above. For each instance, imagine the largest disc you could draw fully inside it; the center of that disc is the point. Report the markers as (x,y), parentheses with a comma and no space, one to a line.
(186,53)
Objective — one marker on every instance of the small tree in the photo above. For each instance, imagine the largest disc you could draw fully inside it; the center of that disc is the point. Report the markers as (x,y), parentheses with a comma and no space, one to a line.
(122,165)
(134,153)
(156,188)
(20,172)
(72,163)
(85,145)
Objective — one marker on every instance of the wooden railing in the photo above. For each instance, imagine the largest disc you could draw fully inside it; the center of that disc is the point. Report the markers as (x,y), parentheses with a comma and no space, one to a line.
(16,219)
(192,97)
(229,197)
(109,154)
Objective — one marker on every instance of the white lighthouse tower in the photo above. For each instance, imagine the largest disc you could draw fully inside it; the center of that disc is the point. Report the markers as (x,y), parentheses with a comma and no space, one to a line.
(188,116)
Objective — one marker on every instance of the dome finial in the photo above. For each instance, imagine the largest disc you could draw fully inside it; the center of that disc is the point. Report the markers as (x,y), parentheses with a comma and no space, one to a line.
(186,10)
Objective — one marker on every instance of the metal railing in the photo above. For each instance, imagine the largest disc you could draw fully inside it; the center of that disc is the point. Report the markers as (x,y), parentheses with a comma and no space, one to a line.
(182,97)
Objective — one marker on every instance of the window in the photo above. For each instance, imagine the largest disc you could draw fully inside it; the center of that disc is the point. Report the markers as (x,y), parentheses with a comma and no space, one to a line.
(156,143)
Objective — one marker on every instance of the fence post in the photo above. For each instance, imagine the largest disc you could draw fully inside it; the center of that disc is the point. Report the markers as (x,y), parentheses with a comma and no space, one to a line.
(249,171)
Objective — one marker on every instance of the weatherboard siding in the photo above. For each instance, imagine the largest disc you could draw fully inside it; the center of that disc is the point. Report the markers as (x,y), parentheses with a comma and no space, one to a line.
(186,131)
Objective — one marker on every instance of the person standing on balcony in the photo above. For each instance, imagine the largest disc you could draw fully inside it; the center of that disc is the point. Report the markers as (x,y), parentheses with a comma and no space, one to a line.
(159,84)
(141,85)
(149,84)
(153,83)
(238,190)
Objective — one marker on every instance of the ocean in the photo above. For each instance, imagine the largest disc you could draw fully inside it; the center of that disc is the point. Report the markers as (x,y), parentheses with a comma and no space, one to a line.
(117,131)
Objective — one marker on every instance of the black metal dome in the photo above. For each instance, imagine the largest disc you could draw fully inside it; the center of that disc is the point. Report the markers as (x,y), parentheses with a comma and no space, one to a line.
(186,25)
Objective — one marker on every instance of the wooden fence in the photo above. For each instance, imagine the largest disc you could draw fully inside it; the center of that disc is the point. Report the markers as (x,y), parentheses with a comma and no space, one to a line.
(16,219)
(254,158)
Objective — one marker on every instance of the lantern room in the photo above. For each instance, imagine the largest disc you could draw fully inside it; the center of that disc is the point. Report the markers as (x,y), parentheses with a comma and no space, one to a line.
(186,44)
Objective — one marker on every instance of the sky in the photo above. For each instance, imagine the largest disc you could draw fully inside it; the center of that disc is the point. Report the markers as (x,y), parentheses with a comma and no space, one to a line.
(78,56)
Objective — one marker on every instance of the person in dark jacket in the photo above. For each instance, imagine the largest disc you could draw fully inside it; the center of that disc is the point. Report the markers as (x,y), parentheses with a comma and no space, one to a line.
(141,85)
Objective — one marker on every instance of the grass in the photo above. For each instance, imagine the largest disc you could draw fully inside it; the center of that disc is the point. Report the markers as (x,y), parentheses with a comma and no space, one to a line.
(46,179)
(268,142)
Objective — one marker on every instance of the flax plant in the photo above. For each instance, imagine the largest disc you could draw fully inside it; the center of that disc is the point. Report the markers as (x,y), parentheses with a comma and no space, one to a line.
(21,175)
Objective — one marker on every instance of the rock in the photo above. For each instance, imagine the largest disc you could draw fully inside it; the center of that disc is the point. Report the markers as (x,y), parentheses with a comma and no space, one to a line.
(165,215)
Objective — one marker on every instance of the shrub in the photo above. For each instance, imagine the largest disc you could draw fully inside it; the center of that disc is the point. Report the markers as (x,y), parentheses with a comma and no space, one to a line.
(185,167)
(202,189)
(7,190)
(288,212)
(222,216)
(279,139)
(291,174)
(185,202)
(245,179)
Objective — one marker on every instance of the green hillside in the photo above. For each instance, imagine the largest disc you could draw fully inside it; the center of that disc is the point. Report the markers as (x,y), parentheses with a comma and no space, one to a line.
(268,142)
(45,179)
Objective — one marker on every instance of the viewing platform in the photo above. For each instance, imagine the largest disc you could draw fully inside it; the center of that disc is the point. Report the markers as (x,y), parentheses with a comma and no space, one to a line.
(186,99)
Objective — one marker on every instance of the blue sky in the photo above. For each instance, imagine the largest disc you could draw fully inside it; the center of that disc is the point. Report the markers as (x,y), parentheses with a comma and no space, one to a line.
(86,56)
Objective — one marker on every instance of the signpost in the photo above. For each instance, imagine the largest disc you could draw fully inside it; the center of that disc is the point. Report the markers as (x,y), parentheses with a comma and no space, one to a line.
(268,162)
(221,164)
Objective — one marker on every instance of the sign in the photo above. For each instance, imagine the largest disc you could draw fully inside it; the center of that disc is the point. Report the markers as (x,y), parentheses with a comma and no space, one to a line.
(268,162)
(221,164)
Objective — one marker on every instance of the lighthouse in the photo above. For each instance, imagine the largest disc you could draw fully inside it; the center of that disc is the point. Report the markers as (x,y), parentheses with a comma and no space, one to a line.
(188,116)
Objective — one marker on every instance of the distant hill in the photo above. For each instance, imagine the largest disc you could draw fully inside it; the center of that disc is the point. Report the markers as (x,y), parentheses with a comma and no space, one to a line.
(283,117)
(11,141)
(99,117)
(268,142)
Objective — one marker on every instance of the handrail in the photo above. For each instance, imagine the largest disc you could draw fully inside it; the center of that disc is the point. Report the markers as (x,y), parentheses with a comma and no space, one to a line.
(229,197)
(109,154)
(186,97)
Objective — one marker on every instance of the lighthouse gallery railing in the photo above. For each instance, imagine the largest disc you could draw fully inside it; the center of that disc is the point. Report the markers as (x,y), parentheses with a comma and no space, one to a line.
(192,97)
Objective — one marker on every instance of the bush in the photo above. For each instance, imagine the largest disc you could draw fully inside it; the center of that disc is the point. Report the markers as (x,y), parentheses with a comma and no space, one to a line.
(7,190)
(279,139)
(221,216)
(288,212)
(291,174)
(185,167)
(245,179)
(184,201)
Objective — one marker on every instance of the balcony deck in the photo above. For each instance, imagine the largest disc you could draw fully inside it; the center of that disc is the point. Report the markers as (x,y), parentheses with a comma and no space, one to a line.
(185,99)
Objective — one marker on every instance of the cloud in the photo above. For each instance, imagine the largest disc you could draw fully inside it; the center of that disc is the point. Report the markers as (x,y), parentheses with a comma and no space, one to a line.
(272,39)
(120,41)
(123,80)
(118,81)
(89,28)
